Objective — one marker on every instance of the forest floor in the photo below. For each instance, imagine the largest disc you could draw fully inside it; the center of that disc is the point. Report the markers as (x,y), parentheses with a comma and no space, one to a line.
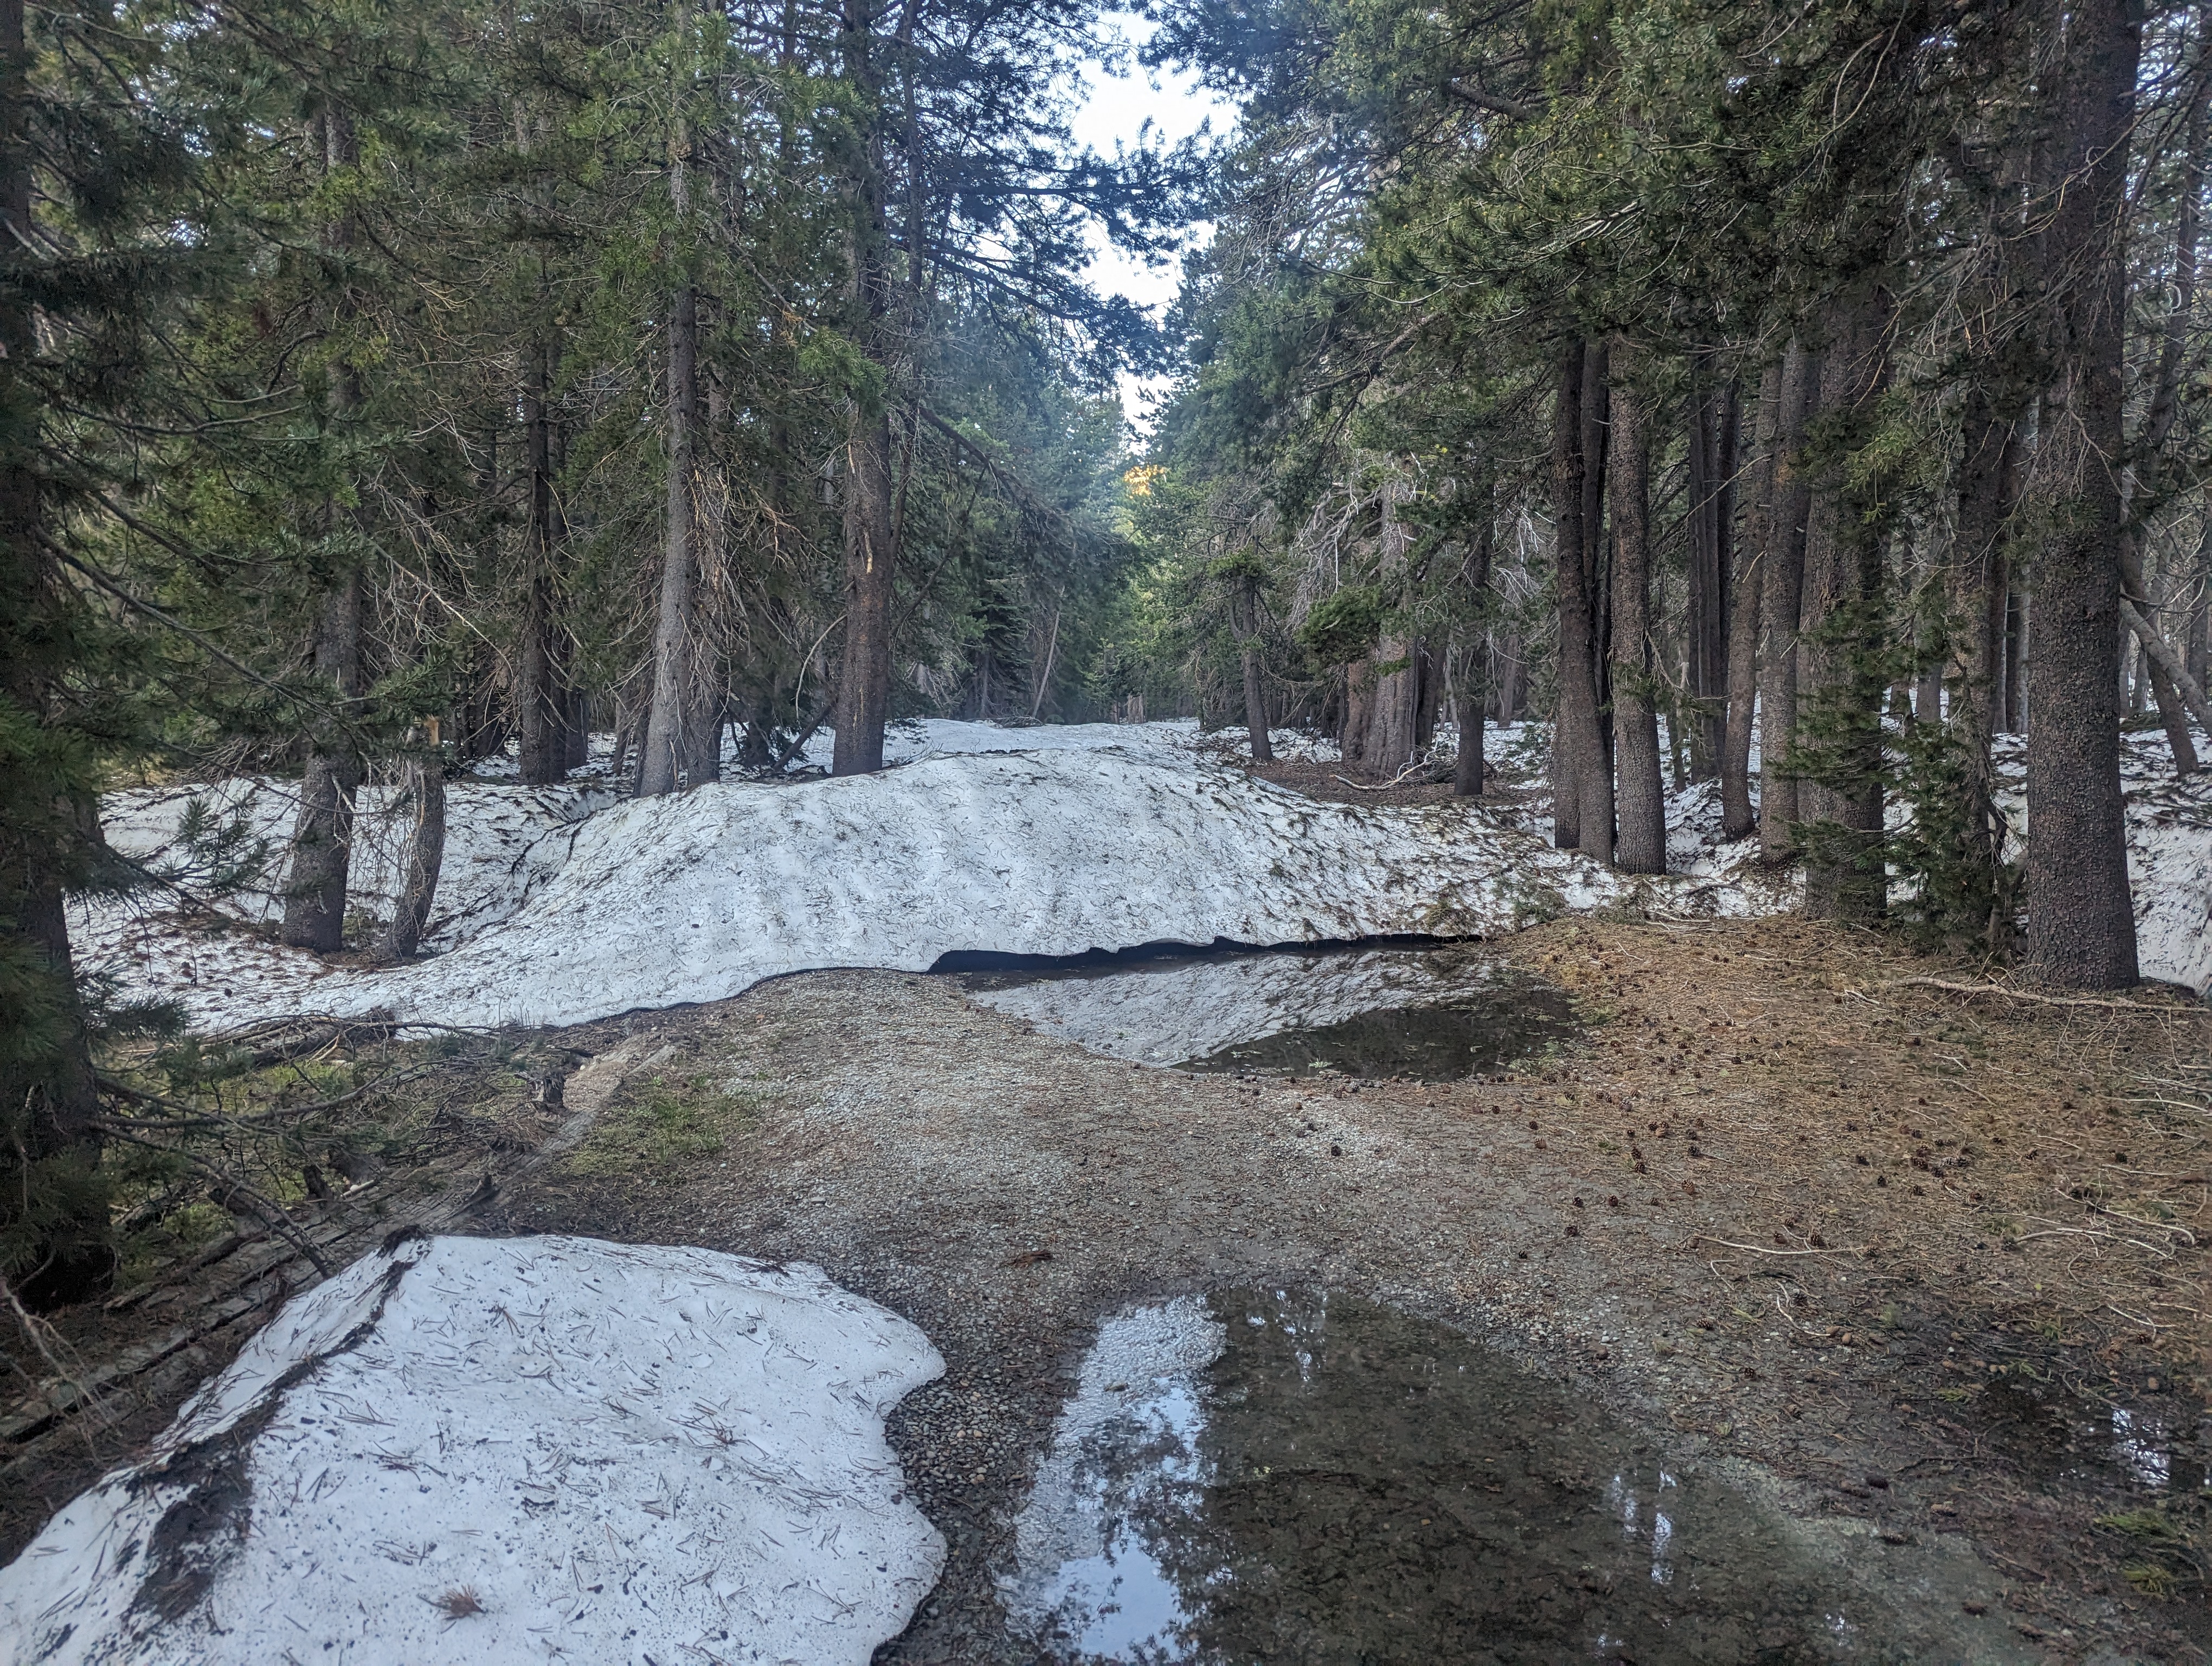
(1887,1254)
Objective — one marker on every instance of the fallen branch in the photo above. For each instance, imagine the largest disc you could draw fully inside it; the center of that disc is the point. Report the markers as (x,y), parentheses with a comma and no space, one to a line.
(1754,1250)
(1952,988)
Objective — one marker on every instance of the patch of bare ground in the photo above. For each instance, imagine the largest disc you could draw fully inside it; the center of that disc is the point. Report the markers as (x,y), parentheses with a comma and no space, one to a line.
(1342,783)
(1915,1265)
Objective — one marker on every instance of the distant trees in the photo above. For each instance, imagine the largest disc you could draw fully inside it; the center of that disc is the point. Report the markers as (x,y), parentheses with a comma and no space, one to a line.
(1904,290)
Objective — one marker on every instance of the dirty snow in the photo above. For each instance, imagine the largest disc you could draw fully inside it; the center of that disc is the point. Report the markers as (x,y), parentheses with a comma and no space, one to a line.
(620,1454)
(655,902)
(566,904)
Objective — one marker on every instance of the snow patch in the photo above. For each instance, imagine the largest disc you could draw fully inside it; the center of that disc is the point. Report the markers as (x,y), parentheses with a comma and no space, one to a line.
(616,1453)
(694,898)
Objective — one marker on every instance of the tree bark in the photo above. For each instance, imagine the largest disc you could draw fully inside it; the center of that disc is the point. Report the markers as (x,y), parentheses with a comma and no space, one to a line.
(1393,707)
(1643,843)
(1746,599)
(1980,586)
(863,703)
(1472,683)
(422,800)
(668,745)
(1582,774)
(1841,632)
(1244,620)
(540,694)
(2081,923)
(1783,559)
(322,836)
(49,1145)
(1711,520)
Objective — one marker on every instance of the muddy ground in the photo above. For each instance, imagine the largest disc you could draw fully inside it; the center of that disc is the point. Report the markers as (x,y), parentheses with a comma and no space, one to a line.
(1888,1255)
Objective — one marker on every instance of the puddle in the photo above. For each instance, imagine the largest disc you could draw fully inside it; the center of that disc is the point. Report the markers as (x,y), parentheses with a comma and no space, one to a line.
(1259,1476)
(1436,1014)
(2060,1439)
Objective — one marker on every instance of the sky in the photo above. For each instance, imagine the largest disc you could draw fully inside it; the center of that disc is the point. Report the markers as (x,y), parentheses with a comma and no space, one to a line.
(1116,112)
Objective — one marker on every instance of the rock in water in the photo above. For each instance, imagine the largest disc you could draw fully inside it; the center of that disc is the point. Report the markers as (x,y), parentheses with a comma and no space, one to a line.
(511,1449)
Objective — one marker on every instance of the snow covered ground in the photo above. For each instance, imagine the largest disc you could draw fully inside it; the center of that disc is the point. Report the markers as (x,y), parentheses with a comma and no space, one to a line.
(508,1450)
(562,905)
(1108,836)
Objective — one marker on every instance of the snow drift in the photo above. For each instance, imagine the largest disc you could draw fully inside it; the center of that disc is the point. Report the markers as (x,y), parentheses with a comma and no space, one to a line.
(658,902)
(503,1450)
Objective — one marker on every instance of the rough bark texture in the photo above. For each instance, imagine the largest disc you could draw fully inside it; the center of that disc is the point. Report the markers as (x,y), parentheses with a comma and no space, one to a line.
(322,837)
(1643,805)
(541,702)
(422,802)
(1244,619)
(1471,683)
(1980,585)
(1782,557)
(668,744)
(1581,809)
(1394,706)
(1712,449)
(864,683)
(47,821)
(2081,926)
(1747,600)
(1840,627)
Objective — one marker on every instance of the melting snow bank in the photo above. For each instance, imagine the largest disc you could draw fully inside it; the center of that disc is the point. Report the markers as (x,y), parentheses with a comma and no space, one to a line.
(501,1450)
(658,902)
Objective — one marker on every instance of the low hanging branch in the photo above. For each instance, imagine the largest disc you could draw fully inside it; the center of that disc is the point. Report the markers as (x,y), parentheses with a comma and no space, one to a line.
(2161,651)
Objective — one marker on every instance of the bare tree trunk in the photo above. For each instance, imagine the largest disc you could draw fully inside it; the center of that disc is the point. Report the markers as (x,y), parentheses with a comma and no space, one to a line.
(540,697)
(863,683)
(1471,681)
(2016,662)
(422,800)
(1840,616)
(1989,473)
(48,1104)
(1244,619)
(1582,777)
(2081,923)
(667,746)
(322,837)
(1643,846)
(1747,601)
(1783,557)
(1712,466)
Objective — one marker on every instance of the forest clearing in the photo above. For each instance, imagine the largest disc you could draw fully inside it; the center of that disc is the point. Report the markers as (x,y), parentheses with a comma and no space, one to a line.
(1294,834)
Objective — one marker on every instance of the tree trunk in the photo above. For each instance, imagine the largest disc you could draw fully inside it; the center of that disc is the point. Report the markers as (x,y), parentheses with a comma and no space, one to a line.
(863,684)
(540,697)
(1394,709)
(422,800)
(1471,681)
(668,748)
(2016,662)
(1839,802)
(322,837)
(1643,845)
(1244,622)
(1747,599)
(49,1146)
(1582,777)
(2081,924)
(1711,517)
(1980,582)
(1783,557)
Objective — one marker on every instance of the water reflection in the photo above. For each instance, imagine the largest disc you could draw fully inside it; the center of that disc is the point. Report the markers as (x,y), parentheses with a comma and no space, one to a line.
(1282,1477)
(1436,1014)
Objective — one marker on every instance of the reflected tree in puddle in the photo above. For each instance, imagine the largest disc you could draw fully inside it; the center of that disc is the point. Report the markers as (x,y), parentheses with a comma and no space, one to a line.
(1438,1013)
(1288,1477)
